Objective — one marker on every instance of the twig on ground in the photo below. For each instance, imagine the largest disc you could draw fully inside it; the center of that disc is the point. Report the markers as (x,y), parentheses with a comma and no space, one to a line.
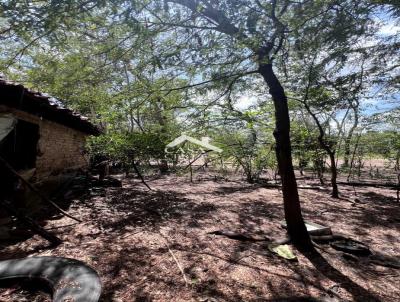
(61,226)
(175,259)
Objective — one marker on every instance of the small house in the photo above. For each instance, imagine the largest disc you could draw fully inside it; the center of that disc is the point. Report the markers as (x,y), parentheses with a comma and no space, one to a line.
(39,137)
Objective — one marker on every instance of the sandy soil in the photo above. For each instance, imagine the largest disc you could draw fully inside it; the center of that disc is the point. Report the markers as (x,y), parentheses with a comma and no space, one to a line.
(131,236)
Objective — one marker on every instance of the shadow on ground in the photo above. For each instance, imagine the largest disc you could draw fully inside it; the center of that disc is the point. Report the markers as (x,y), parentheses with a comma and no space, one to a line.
(135,207)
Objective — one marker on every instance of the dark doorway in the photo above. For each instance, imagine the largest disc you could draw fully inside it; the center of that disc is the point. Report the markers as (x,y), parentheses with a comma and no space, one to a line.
(19,147)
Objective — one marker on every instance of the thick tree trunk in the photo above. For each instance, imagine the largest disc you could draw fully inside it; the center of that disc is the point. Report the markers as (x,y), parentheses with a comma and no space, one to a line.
(294,219)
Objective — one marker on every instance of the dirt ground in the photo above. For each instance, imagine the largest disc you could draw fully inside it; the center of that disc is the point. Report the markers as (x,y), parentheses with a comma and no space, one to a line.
(154,245)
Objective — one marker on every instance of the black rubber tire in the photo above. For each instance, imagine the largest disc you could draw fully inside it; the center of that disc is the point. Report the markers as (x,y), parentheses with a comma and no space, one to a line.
(68,278)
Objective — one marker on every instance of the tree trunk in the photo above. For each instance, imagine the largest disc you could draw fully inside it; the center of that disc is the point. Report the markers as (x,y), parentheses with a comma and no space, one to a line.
(353,156)
(320,167)
(397,169)
(162,121)
(329,150)
(347,141)
(331,154)
(335,190)
(294,219)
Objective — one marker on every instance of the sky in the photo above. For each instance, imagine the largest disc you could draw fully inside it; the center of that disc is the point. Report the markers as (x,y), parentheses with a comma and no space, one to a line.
(381,103)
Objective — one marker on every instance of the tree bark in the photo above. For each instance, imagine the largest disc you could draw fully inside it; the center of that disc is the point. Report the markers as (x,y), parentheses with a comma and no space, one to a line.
(353,156)
(162,121)
(347,141)
(397,169)
(335,190)
(294,219)
(331,153)
(319,166)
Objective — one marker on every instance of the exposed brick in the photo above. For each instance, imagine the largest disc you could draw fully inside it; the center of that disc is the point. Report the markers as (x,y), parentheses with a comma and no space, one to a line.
(60,148)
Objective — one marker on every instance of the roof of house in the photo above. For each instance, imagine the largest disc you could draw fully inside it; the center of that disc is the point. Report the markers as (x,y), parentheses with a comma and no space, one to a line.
(17,96)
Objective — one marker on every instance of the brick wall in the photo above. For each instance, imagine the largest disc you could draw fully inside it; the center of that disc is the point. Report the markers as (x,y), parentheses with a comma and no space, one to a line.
(60,148)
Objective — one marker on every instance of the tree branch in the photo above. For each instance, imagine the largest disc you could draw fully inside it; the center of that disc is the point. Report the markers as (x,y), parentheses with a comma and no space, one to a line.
(224,24)
(211,80)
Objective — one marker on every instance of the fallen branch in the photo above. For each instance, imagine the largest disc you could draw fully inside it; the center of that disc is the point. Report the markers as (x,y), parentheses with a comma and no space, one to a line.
(369,184)
(298,187)
(30,223)
(238,236)
(32,188)
(140,176)
(354,184)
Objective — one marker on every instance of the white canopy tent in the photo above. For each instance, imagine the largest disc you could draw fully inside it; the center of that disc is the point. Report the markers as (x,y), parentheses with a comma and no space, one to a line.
(204,143)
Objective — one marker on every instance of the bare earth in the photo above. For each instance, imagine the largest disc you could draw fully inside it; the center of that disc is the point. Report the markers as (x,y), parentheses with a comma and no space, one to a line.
(140,240)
